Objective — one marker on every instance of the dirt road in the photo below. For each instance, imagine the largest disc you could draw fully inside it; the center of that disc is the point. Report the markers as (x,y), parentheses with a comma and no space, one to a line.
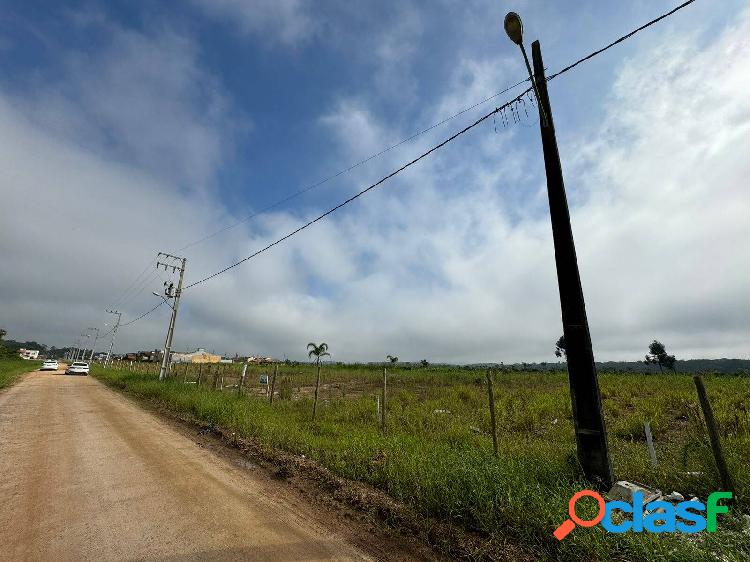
(85,474)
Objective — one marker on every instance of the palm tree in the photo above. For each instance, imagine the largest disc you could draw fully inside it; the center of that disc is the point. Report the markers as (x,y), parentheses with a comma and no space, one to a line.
(392,359)
(317,351)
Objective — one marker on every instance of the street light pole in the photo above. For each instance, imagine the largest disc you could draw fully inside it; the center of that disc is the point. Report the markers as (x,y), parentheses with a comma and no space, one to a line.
(176,295)
(114,333)
(588,417)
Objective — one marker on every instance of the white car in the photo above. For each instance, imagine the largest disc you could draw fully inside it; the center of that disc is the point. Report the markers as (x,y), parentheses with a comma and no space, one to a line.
(78,368)
(50,365)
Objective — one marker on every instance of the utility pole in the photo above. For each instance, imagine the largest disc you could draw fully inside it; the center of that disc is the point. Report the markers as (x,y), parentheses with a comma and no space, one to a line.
(93,346)
(87,335)
(114,333)
(73,350)
(81,351)
(170,292)
(588,417)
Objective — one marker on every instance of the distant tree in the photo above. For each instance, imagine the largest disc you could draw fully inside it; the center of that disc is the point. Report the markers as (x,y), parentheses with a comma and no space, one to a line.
(4,351)
(424,363)
(392,359)
(657,355)
(560,349)
(317,351)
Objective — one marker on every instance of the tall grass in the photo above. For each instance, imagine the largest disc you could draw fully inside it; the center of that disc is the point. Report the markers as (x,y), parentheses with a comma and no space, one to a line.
(12,368)
(437,455)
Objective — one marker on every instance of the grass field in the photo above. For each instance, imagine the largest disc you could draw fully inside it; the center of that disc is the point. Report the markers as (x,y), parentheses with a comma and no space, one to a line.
(436,455)
(12,369)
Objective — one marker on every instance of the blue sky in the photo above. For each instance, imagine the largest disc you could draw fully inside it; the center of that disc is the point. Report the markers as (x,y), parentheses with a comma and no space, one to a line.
(159,124)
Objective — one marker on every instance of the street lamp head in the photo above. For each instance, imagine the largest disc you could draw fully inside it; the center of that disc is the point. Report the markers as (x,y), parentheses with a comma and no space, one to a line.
(155,294)
(514,27)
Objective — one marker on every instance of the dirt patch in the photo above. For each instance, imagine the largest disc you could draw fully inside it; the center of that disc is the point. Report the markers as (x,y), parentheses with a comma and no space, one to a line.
(385,520)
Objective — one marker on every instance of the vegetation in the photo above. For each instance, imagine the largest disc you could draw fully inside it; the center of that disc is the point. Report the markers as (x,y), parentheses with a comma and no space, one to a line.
(11,368)
(437,455)
(317,351)
(560,350)
(657,355)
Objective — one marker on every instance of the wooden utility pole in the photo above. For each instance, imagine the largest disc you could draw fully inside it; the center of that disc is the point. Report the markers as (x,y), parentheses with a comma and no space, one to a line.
(493,421)
(385,398)
(273,382)
(650,444)
(242,379)
(588,417)
(713,436)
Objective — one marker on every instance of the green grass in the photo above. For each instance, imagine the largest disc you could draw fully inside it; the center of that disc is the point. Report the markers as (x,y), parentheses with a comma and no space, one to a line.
(12,368)
(442,465)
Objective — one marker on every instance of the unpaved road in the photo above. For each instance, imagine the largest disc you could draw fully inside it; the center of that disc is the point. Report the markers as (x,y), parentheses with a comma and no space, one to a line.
(85,474)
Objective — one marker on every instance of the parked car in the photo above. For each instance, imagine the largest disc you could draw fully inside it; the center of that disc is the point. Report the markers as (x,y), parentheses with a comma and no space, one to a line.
(50,365)
(78,368)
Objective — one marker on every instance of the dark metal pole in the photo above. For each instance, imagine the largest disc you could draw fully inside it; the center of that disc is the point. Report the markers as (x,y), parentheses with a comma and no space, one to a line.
(493,420)
(591,434)
(385,398)
(713,435)
(273,382)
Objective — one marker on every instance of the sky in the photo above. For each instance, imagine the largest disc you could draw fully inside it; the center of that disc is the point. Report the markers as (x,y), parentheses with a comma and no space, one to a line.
(131,128)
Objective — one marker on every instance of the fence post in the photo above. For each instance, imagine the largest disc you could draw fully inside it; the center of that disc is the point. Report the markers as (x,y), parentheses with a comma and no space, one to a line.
(493,421)
(713,435)
(215,381)
(385,398)
(273,382)
(650,443)
(242,379)
(200,373)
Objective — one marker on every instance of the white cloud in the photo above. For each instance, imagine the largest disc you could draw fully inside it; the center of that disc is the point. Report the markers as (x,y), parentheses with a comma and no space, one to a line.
(137,100)
(288,22)
(439,263)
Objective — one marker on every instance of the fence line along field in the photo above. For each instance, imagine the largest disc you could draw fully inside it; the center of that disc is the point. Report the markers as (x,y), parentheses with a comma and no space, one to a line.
(435,452)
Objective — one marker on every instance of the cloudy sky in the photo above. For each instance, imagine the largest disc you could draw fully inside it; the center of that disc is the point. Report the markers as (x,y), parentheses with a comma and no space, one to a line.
(129,128)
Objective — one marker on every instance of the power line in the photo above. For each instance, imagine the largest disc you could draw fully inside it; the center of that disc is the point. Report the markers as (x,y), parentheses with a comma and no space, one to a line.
(423,131)
(418,158)
(621,39)
(361,193)
(142,315)
(352,167)
(436,147)
(132,284)
(137,286)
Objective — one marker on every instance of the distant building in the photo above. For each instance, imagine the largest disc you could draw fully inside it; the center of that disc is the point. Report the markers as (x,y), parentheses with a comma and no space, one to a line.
(200,355)
(28,353)
(254,359)
(149,356)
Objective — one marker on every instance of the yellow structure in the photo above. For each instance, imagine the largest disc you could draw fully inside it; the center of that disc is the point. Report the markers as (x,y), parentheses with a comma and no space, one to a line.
(198,356)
